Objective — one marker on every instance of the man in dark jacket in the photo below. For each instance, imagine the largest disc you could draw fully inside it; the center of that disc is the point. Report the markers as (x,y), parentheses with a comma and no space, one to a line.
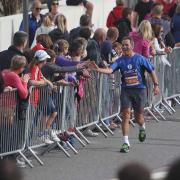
(19,43)
(94,46)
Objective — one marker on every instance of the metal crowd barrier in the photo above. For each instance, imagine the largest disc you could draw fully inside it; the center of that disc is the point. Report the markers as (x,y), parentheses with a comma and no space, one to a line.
(99,102)
(12,126)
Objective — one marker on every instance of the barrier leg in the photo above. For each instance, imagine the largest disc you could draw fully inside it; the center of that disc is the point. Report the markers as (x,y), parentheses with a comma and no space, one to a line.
(176,100)
(104,124)
(159,113)
(150,112)
(85,139)
(119,118)
(81,142)
(172,109)
(167,109)
(26,159)
(101,130)
(61,147)
(71,147)
(36,157)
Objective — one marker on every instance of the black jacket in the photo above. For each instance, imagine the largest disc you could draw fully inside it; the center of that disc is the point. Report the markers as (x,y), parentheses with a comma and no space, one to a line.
(124,27)
(6,56)
(56,34)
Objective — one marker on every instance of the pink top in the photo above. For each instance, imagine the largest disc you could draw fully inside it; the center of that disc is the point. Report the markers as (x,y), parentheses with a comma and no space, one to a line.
(141,45)
(13,80)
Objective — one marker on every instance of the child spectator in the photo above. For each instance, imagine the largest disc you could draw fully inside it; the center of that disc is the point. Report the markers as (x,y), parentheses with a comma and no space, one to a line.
(38,79)
(43,42)
(117,48)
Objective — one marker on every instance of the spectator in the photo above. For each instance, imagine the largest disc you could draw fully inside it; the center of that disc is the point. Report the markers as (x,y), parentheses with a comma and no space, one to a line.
(134,171)
(142,8)
(9,170)
(173,9)
(43,42)
(37,79)
(61,48)
(106,47)
(167,5)
(142,39)
(124,23)
(117,48)
(87,4)
(176,25)
(19,43)
(115,14)
(85,32)
(174,173)
(53,6)
(85,22)
(11,77)
(29,54)
(94,45)
(61,31)
(158,40)
(156,18)
(46,26)
(50,68)
(35,20)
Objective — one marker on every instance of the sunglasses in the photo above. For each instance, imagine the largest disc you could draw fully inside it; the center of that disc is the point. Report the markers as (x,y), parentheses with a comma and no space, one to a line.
(38,9)
(55,4)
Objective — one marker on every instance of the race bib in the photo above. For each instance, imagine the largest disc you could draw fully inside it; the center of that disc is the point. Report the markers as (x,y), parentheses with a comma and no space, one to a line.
(131,78)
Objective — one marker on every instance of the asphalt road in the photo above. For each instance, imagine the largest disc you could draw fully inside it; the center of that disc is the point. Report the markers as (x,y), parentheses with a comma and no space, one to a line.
(101,159)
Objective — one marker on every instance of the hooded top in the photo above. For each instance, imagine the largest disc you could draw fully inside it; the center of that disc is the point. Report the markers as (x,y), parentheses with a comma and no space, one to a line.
(141,45)
(114,15)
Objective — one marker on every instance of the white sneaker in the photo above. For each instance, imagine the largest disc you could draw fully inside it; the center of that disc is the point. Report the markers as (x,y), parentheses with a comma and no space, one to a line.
(46,139)
(54,137)
(89,133)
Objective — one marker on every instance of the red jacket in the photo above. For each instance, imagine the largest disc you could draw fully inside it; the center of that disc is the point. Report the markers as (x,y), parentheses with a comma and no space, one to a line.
(167,6)
(114,15)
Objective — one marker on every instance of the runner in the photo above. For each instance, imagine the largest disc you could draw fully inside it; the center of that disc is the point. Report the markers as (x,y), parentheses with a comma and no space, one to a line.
(133,92)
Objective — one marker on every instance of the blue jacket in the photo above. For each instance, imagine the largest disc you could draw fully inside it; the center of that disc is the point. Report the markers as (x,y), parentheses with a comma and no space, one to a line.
(33,25)
(176,27)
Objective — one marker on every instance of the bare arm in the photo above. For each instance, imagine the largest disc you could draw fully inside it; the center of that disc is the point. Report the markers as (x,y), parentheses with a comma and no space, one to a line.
(105,70)
(155,81)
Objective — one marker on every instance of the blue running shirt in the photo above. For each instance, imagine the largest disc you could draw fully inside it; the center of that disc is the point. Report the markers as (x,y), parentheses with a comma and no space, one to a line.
(132,70)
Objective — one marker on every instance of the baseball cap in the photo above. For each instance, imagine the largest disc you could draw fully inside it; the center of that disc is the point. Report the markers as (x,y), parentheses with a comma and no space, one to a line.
(38,46)
(41,55)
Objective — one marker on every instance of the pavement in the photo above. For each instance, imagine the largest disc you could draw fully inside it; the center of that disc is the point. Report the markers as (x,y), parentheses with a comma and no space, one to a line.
(101,159)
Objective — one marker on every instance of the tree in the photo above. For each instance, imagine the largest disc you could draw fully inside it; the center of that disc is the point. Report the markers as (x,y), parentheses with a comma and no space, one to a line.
(9,7)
